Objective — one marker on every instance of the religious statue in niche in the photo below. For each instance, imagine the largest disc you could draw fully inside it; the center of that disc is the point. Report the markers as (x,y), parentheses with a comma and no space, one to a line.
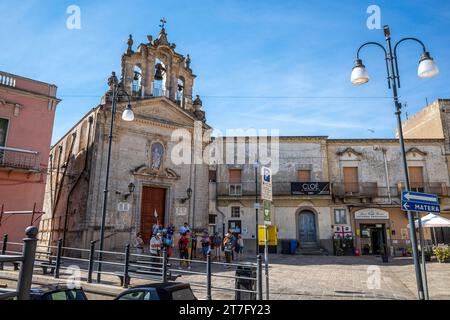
(157,156)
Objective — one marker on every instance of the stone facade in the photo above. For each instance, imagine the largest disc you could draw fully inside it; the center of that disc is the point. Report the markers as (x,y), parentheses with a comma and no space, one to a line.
(143,153)
(378,185)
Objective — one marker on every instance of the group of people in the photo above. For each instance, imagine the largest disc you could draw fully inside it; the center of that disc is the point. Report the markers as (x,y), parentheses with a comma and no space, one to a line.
(163,238)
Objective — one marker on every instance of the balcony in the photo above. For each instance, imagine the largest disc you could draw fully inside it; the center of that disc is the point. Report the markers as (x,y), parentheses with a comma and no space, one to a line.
(372,190)
(366,189)
(13,158)
(243,189)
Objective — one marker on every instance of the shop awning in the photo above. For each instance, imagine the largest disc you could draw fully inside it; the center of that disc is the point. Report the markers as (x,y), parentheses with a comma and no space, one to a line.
(433,221)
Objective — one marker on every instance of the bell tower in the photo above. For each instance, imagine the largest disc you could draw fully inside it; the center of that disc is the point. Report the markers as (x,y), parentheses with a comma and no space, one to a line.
(155,69)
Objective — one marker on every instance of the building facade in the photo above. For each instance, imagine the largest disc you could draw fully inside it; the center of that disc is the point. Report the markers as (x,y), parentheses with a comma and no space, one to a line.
(328,189)
(154,177)
(27,111)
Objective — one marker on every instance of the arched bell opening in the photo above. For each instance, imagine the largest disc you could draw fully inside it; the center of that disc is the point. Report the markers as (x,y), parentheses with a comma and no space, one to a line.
(159,80)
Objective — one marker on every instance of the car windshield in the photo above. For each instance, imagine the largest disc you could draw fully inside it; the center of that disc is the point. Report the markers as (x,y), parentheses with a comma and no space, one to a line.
(183,294)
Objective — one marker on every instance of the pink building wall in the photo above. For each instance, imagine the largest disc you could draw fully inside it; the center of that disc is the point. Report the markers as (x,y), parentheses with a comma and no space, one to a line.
(29,106)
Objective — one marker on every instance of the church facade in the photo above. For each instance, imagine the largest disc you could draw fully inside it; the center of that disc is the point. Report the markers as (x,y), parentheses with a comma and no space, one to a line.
(152,180)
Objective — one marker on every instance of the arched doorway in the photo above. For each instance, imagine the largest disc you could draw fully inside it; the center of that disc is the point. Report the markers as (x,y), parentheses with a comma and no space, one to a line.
(307,226)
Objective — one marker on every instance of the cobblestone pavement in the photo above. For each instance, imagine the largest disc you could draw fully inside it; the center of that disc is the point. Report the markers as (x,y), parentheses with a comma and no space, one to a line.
(323,277)
(346,278)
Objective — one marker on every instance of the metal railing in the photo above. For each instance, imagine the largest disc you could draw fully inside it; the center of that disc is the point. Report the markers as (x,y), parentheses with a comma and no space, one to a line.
(366,189)
(126,266)
(26,270)
(372,190)
(19,158)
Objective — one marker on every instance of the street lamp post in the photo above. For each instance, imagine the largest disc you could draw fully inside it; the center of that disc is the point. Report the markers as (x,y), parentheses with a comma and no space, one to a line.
(427,69)
(256,164)
(127,115)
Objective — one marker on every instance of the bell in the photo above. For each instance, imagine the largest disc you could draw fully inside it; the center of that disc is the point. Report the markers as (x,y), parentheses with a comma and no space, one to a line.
(136,76)
(159,72)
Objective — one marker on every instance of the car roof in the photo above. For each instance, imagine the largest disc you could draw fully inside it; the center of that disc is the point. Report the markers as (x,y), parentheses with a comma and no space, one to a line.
(167,286)
(50,288)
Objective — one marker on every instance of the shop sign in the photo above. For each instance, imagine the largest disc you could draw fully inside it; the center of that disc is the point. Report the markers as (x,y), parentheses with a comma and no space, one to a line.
(310,188)
(371,214)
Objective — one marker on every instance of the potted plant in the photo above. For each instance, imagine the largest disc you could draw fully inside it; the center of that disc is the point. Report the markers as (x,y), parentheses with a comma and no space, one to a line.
(442,253)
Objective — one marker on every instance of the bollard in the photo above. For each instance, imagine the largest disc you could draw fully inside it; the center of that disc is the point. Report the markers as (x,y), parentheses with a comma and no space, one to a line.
(259,274)
(208,276)
(4,246)
(26,270)
(58,258)
(164,266)
(91,262)
(126,266)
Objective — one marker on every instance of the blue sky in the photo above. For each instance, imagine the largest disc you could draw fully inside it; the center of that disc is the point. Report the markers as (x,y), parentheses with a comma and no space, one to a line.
(259,64)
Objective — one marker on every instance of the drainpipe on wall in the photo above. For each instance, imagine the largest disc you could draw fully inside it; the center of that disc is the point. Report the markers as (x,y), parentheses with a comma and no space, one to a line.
(386,171)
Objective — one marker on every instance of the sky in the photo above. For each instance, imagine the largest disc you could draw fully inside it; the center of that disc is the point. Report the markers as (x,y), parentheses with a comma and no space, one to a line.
(260,64)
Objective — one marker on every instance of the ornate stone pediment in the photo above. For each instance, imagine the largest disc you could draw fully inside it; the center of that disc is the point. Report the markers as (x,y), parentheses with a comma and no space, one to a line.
(349,152)
(416,151)
(149,172)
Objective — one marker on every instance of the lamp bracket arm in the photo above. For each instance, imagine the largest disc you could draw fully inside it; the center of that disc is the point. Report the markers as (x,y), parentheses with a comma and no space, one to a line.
(395,54)
(386,58)
(372,43)
(409,39)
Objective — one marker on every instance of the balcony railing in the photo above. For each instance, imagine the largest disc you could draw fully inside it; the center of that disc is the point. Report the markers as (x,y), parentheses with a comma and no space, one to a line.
(7,80)
(248,189)
(366,189)
(19,159)
(372,190)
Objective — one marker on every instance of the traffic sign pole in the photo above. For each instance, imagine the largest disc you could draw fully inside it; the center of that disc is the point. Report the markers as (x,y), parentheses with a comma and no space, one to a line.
(422,247)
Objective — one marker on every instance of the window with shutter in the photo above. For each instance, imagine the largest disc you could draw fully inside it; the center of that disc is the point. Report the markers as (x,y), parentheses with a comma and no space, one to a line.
(351,184)
(304,175)
(416,178)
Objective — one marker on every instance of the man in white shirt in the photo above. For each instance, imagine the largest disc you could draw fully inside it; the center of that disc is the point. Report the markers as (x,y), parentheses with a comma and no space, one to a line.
(155,250)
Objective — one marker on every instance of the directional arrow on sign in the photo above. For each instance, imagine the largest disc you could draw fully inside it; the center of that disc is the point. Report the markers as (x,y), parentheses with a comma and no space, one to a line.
(405,206)
(416,197)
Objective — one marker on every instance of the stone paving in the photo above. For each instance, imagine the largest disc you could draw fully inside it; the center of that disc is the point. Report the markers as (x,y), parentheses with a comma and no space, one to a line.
(326,277)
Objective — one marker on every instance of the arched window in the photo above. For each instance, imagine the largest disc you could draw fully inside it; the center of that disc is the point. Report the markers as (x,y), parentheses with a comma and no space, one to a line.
(159,81)
(180,93)
(136,85)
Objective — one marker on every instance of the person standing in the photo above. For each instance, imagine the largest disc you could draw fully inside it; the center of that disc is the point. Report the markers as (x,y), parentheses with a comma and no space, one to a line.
(185,228)
(155,250)
(217,240)
(228,248)
(240,247)
(206,244)
(139,244)
(183,247)
(155,228)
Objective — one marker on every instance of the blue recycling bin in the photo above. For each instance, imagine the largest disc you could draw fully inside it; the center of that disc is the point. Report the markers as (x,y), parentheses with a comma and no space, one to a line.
(293,247)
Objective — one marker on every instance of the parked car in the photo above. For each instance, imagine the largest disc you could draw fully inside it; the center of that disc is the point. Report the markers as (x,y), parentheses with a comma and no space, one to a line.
(57,292)
(159,291)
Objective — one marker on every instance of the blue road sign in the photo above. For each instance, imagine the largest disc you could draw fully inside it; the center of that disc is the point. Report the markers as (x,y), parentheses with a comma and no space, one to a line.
(420,202)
